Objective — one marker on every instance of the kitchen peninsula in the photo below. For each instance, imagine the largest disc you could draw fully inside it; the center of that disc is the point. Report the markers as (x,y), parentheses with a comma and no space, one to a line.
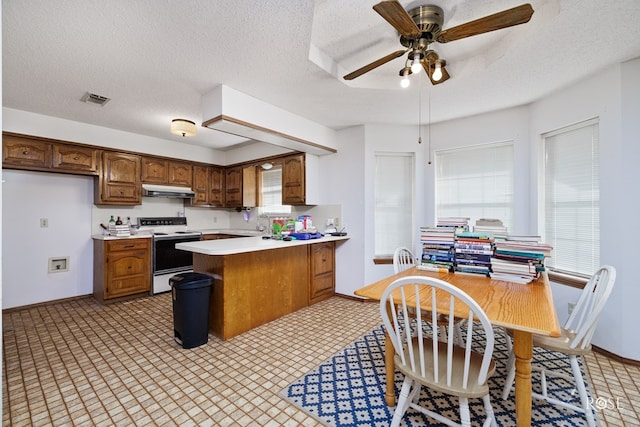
(258,280)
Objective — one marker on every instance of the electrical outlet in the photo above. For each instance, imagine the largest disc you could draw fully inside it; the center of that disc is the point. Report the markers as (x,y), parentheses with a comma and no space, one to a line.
(44,223)
(570,307)
(336,222)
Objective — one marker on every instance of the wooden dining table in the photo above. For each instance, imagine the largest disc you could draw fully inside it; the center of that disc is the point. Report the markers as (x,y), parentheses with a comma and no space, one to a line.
(526,309)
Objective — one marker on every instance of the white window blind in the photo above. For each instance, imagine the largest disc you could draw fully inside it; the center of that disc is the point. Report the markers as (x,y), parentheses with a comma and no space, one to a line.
(271,192)
(476,182)
(394,176)
(572,198)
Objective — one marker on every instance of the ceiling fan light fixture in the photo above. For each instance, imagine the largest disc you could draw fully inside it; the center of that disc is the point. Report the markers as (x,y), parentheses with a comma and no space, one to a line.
(437,73)
(183,127)
(404,73)
(416,56)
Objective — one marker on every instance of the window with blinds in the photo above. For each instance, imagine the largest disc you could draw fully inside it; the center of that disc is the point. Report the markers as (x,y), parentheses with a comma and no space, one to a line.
(572,198)
(393,216)
(271,192)
(475,182)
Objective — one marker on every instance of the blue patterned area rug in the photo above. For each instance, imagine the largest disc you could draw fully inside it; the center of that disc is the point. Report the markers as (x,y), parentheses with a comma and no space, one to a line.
(348,390)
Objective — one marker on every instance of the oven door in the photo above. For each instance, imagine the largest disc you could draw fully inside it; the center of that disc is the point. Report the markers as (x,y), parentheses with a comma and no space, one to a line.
(167,260)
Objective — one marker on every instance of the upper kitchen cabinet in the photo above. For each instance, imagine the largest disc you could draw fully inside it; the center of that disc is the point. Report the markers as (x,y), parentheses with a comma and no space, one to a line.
(208,184)
(180,174)
(119,182)
(49,155)
(299,179)
(233,186)
(216,187)
(155,170)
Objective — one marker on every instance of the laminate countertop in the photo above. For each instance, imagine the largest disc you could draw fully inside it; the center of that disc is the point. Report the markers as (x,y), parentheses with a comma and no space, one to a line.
(248,244)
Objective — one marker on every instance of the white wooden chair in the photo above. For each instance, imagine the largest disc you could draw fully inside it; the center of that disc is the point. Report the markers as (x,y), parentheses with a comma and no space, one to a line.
(575,341)
(441,366)
(403,259)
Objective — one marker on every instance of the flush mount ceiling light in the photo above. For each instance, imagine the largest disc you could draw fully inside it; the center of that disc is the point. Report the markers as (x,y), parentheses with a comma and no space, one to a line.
(183,127)
(267,166)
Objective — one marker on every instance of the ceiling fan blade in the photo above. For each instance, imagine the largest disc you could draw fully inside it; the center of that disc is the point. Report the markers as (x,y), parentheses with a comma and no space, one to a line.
(429,67)
(507,18)
(374,64)
(393,12)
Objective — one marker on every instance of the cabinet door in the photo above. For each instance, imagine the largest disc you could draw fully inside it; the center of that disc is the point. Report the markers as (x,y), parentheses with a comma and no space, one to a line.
(322,271)
(75,159)
(180,174)
(201,179)
(154,171)
(216,187)
(25,153)
(233,187)
(119,181)
(249,186)
(128,268)
(293,188)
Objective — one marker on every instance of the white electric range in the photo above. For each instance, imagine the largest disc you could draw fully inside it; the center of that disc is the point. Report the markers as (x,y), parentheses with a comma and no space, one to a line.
(166,259)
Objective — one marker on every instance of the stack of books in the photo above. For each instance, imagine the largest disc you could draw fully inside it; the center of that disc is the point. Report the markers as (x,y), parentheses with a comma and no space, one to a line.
(519,259)
(495,227)
(456,223)
(119,230)
(437,248)
(473,253)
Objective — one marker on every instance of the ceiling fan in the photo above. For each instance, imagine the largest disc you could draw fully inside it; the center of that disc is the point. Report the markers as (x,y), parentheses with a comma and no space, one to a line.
(422,26)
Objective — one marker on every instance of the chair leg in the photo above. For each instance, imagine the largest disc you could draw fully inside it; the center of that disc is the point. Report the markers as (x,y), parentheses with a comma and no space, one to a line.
(488,409)
(582,390)
(511,365)
(465,415)
(403,402)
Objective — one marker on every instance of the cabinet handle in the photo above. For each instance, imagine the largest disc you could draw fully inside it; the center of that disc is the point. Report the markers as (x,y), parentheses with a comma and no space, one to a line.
(24,153)
(129,246)
(75,158)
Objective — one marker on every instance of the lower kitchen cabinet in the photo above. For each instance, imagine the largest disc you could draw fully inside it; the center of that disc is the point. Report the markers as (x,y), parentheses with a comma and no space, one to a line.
(322,283)
(121,268)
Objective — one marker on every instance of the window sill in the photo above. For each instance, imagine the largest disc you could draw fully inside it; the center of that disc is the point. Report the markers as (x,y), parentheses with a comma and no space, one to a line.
(567,279)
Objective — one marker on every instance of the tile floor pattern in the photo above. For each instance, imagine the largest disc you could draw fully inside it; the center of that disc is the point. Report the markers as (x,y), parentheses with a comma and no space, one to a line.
(78,363)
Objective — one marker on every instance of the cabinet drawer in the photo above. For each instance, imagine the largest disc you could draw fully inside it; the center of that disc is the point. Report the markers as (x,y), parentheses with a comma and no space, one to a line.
(127,244)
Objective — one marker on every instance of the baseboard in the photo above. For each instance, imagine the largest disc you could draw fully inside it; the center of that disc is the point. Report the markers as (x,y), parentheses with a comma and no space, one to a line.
(615,357)
(45,303)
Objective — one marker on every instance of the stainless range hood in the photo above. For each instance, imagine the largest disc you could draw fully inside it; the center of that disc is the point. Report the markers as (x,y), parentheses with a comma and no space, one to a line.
(149,190)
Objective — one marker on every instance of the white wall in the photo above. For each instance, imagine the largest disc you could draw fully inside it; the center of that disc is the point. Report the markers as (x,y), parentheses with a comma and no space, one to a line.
(65,201)
(611,95)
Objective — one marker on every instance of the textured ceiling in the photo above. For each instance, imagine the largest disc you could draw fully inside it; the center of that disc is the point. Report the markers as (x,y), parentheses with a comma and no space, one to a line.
(155,59)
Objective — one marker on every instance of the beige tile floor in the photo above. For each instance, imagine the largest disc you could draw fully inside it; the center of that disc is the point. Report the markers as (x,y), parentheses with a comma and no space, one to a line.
(81,363)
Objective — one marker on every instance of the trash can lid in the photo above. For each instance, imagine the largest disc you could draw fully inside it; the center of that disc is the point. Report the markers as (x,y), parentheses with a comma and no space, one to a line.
(190,280)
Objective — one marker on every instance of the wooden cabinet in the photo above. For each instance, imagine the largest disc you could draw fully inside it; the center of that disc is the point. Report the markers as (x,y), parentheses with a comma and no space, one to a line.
(180,174)
(249,186)
(76,159)
(119,182)
(208,184)
(201,182)
(121,268)
(154,170)
(25,152)
(216,187)
(233,187)
(49,155)
(321,271)
(293,182)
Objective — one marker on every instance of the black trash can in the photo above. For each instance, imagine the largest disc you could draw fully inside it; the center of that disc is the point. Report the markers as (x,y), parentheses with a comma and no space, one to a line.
(191,293)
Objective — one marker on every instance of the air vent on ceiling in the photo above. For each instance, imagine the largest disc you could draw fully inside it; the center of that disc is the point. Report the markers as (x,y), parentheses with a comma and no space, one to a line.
(92,98)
